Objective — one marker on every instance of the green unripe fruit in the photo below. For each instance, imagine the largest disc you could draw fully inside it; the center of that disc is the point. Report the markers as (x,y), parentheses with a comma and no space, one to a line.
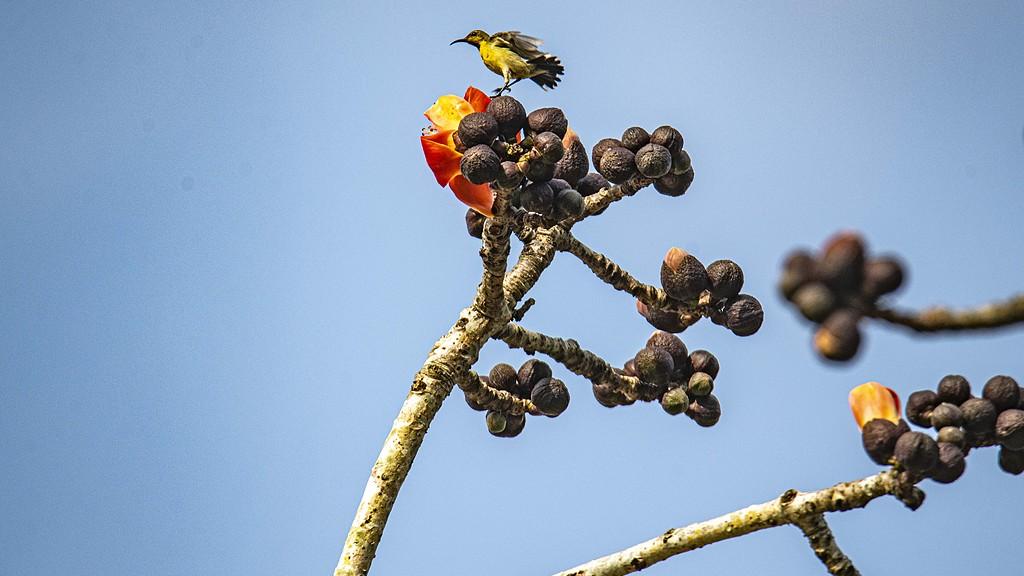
(514,424)
(653,161)
(480,164)
(635,138)
(700,384)
(617,165)
(675,401)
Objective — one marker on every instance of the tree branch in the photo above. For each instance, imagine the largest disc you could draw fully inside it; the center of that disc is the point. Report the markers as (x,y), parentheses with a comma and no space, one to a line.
(492,398)
(823,542)
(787,509)
(610,272)
(569,353)
(993,315)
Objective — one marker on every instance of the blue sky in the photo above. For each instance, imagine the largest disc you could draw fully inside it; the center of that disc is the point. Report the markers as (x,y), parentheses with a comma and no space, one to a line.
(222,258)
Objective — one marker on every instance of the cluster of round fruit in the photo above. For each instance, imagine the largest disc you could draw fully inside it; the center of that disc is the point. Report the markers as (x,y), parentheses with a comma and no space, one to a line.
(715,288)
(681,381)
(962,422)
(658,155)
(535,156)
(833,288)
(533,381)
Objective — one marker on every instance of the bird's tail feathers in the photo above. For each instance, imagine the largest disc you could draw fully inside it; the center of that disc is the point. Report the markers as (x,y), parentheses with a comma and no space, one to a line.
(550,68)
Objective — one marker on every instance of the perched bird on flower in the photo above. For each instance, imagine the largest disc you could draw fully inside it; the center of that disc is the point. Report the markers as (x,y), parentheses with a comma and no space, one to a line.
(514,57)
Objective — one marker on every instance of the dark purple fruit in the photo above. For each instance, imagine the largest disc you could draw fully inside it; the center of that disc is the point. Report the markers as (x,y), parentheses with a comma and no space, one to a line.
(743,315)
(549,146)
(951,464)
(1002,391)
(668,137)
(475,223)
(537,197)
(547,120)
(510,176)
(653,161)
(1010,429)
(946,414)
(879,439)
(1011,462)
(617,165)
(798,269)
(568,204)
(881,276)
(674,184)
(704,361)
(477,128)
(683,277)
(919,407)
(917,452)
(670,343)
(815,301)
(979,416)
(705,411)
(635,138)
(842,263)
(726,278)
(654,365)
(954,389)
(602,146)
(509,113)
(480,164)
(550,396)
(574,164)
(661,319)
(530,373)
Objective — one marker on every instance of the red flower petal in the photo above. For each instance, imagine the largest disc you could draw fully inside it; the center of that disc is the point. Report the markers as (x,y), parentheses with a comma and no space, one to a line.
(477,99)
(442,160)
(479,197)
(872,400)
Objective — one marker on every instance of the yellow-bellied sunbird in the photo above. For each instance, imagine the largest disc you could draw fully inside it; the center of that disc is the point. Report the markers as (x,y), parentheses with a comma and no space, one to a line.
(515,57)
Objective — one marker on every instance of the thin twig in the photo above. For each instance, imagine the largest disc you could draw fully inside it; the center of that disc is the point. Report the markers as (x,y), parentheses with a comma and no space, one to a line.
(492,398)
(569,353)
(823,542)
(786,509)
(993,315)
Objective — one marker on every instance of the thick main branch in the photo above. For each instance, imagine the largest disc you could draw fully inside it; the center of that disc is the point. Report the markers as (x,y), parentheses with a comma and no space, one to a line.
(790,508)
(994,315)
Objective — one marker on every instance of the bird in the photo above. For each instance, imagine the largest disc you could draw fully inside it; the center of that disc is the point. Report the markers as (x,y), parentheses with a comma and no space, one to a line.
(515,56)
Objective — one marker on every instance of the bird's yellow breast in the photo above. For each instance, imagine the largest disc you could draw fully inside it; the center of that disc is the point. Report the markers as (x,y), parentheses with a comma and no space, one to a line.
(503,61)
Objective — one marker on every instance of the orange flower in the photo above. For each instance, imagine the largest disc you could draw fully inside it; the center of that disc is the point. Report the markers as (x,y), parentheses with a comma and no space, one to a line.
(872,400)
(439,147)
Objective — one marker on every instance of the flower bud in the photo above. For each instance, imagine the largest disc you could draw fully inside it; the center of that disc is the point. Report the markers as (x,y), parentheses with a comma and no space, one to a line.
(503,377)
(683,277)
(509,113)
(668,137)
(881,276)
(538,171)
(954,389)
(842,263)
(574,164)
(979,416)
(705,411)
(530,373)
(815,301)
(946,414)
(568,204)
(477,128)
(617,165)
(952,435)
(700,384)
(675,401)
(838,339)
(1011,462)
(661,319)
(704,361)
(547,120)
(670,343)
(510,176)
(537,197)
(602,146)
(744,315)
(475,223)
(681,162)
(653,161)
(672,184)
(879,439)
(917,452)
(654,365)
(514,424)
(726,279)
(919,407)
(592,184)
(951,464)
(549,146)
(480,164)
(635,138)
(798,269)
(1002,391)
(1010,429)
(550,396)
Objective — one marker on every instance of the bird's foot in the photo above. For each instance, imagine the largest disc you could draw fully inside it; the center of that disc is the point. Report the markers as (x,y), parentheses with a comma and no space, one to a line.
(499,91)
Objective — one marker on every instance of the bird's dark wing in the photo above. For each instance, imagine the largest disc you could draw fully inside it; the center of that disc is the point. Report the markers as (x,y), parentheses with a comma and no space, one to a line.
(526,46)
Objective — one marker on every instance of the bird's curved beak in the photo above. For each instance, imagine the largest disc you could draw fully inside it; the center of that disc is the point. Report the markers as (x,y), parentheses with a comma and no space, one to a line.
(454,42)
